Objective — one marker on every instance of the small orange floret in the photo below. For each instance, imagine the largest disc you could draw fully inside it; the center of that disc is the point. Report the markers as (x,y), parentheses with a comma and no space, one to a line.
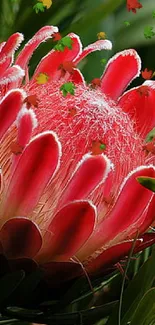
(143,90)
(101,35)
(147,74)
(46,3)
(72,111)
(67,66)
(16,148)
(133,5)
(96,82)
(31,101)
(150,147)
(56,37)
(97,147)
(42,78)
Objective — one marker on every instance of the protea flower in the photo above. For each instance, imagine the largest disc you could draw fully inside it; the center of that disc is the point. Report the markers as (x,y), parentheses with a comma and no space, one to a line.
(70,159)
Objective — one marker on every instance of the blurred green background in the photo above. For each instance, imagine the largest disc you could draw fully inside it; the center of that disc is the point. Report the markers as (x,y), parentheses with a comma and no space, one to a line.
(85,18)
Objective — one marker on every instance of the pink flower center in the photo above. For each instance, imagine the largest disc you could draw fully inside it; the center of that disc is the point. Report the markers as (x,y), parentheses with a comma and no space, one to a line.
(87,122)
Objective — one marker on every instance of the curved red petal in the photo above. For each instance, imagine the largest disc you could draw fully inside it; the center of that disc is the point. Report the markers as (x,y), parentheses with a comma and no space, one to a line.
(97,46)
(26,122)
(7,51)
(90,172)
(123,221)
(20,237)
(120,71)
(11,76)
(139,103)
(77,77)
(51,62)
(148,240)
(42,35)
(34,170)
(111,256)
(71,227)
(10,105)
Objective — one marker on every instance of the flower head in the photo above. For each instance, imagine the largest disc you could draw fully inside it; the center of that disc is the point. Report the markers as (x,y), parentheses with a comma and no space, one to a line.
(71,154)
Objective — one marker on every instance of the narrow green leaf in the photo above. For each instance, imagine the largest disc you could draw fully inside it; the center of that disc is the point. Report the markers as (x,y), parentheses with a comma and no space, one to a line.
(150,135)
(84,317)
(136,289)
(148,182)
(145,312)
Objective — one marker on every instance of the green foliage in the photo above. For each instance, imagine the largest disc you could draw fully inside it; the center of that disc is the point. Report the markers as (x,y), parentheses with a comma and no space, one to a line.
(145,311)
(126,23)
(103,61)
(39,7)
(68,88)
(135,291)
(150,135)
(63,43)
(148,32)
(147,182)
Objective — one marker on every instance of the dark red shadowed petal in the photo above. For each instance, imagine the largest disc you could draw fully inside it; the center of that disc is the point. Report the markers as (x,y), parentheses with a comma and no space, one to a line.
(1,181)
(148,240)
(7,51)
(60,272)
(120,71)
(34,170)
(20,237)
(26,264)
(97,46)
(123,221)
(42,35)
(90,172)
(71,227)
(9,108)
(51,63)
(139,103)
(111,256)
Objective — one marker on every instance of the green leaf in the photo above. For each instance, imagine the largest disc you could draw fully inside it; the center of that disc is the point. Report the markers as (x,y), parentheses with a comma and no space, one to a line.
(103,61)
(39,7)
(145,312)
(67,41)
(63,43)
(148,182)
(68,88)
(150,135)
(9,283)
(136,289)
(126,23)
(148,32)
